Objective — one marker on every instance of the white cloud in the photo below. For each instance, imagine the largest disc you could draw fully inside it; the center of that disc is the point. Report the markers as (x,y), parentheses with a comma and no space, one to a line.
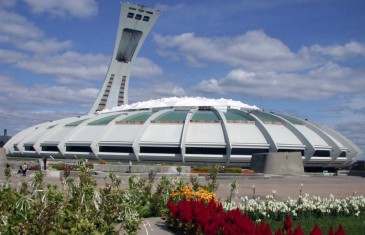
(170,8)
(154,91)
(44,46)
(325,82)
(16,27)
(350,49)
(356,105)
(44,94)
(23,34)
(7,56)
(266,66)
(70,64)
(16,120)
(78,9)
(254,50)
(145,68)
(7,3)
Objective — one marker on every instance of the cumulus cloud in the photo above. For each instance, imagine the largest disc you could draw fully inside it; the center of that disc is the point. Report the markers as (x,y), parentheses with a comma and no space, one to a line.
(15,120)
(14,26)
(350,49)
(321,83)
(44,94)
(266,66)
(72,64)
(77,9)
(44,46)
(154,91)
(353,130)
(8,56)
(254,50)
(145,68)
(22,34)
(7,3)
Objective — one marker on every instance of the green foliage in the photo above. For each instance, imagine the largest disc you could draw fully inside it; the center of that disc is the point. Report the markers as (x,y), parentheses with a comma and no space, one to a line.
(195,183)
(37,180)
(232,190)
(212,178)
(179,170)
(161,196)
(202,168)
(226,169)
(232,170)
(7,173)
(76,208)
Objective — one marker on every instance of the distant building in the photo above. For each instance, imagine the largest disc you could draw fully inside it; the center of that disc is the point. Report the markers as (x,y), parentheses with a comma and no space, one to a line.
(3,140)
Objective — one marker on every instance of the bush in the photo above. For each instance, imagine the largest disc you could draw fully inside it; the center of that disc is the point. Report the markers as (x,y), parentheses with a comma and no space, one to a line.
(232,170)
(206,169)
(202,169)
(76,208)
(58,167)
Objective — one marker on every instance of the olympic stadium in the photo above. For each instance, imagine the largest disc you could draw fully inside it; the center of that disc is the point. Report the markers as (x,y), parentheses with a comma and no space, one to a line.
(186,130)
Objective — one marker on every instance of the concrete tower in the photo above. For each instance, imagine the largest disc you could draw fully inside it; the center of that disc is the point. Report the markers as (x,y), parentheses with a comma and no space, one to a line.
(135,22)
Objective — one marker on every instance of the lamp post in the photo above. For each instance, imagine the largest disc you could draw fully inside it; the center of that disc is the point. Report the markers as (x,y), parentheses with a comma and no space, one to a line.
(44,163)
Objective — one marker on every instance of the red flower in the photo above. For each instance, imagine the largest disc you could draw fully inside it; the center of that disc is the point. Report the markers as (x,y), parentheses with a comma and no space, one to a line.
(288,223)
(316,230)
(331,232)
(267,230)
(262,226)
(298,231)
(279,232)
(340,230)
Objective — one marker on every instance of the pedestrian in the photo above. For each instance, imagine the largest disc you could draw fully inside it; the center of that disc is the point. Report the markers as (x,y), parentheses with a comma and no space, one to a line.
(130,167)
(24,169)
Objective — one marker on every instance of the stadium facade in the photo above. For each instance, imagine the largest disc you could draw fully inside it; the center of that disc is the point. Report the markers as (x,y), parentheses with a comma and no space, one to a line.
(186,130)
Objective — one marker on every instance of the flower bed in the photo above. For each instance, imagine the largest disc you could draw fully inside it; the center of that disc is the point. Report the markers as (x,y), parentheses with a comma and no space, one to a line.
(188,193)
(190,216)
(237,170)
(305,206)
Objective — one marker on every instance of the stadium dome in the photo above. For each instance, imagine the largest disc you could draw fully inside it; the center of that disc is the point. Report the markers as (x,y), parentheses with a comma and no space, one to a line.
(185,130)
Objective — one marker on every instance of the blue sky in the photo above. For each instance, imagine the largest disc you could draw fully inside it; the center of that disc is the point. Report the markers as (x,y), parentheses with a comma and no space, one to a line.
(304,58)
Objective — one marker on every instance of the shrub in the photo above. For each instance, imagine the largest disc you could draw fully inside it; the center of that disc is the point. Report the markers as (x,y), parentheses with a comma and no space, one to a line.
(232,170)
(201,169)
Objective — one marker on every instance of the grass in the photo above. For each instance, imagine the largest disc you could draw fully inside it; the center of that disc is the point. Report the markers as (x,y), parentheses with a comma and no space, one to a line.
(352,225)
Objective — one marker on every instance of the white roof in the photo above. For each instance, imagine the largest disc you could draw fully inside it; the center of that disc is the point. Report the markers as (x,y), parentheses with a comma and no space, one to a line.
(162,133)
(245,133)
(205,133)
(183,102)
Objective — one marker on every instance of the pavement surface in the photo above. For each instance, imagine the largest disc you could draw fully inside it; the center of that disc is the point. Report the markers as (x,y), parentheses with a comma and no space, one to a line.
(283,186)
